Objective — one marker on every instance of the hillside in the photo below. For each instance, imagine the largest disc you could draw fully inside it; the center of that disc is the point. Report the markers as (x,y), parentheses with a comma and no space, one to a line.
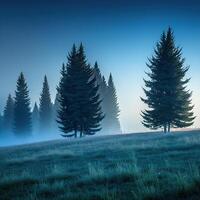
(121,167)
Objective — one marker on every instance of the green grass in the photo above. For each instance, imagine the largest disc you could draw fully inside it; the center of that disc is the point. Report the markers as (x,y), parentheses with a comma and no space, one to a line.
(143,166)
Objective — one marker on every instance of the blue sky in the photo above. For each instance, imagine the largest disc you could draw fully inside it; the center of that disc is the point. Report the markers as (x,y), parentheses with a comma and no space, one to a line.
(35,37)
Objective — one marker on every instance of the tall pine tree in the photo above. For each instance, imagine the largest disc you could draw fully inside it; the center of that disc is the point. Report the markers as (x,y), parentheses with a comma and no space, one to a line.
(168,100)
(80,110)
(97,74)
(112,109)
(100,81)
(35,118)
(22,110)
(45,109)
(110,124)
(8,114)
(56,106)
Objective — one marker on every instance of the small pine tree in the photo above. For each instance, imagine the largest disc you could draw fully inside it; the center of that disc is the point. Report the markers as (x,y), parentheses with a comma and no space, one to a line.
(101,82)
(45,109)
(8,114)
(56,106)
(168,100)
(80,109)
(22,111)
(35,118)
(97,74)
(112,109)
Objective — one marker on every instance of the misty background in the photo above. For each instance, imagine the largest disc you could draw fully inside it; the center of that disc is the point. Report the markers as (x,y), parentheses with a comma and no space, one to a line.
(35,37)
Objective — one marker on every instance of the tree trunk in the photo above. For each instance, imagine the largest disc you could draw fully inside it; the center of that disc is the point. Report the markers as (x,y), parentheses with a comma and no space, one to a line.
(165,128)
(81,132)
(168,128)
(75,133)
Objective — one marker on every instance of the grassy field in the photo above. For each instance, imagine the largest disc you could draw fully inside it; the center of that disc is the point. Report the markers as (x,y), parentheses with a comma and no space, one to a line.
(122,167)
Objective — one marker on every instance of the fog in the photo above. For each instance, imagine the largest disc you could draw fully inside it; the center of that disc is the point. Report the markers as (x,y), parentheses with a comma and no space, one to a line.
(11,139)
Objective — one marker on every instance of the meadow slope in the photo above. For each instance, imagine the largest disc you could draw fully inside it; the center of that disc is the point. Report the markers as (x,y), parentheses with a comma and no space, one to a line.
(133,166)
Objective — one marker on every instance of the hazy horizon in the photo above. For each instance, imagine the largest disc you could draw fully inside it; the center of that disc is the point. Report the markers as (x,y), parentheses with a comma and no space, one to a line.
(36,37)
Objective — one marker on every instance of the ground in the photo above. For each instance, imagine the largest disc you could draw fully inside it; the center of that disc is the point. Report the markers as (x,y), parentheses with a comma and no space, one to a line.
(122,167)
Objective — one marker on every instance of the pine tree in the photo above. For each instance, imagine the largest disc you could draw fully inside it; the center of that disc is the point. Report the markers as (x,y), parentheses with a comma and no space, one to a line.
(100,81)
(45,109)
(80,109)
(168,99)
(22,111)
(8,114)
(35,118)
(56,106)
(97,74)
(112,109)
(110,123)
(104,86)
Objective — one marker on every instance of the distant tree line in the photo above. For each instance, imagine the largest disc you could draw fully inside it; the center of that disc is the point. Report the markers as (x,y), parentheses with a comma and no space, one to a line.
(85,103)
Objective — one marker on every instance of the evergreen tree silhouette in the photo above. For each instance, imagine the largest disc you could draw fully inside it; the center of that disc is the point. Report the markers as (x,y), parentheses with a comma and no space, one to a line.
(104,86)
(8,115)
(100,81)
(80,109)
(22,111)
(97,74)
(168,99)
(35,118)
(45,108)
(56,106)
(112,109)
(110,124)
